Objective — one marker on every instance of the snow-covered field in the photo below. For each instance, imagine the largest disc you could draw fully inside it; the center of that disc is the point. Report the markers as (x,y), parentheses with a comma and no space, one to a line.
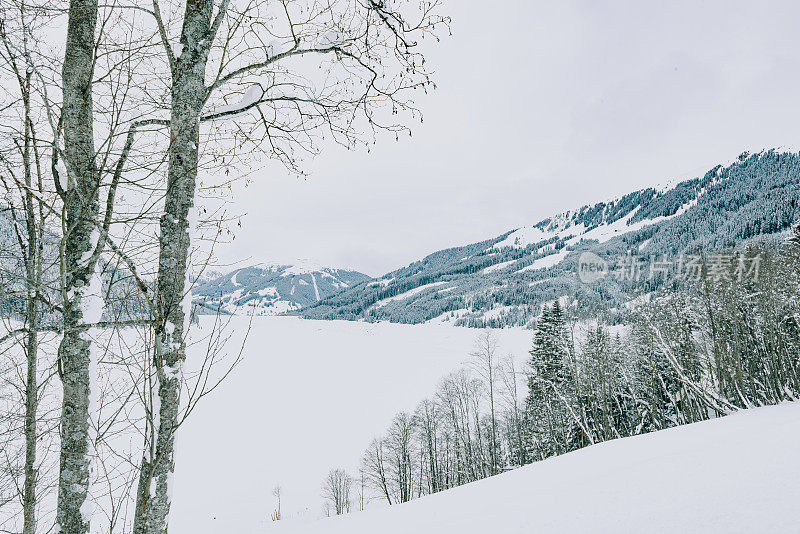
(308,397)
(738,474)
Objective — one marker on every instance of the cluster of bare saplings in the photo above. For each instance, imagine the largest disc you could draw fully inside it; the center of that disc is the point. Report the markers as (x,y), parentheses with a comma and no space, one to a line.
(691,353)
(123,126)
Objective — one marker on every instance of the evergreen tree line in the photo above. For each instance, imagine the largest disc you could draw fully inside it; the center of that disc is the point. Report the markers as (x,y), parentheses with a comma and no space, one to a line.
(686,355)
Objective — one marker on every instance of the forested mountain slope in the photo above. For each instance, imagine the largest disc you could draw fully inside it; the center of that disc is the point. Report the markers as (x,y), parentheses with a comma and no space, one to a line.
(505,280)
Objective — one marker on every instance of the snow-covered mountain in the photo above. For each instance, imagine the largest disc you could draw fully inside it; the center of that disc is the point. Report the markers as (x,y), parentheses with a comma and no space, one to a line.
(504,281)
(272,288)
(689,479)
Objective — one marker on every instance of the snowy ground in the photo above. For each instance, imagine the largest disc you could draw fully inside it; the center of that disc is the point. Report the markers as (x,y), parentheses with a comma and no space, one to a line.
(738,474)
(308,397)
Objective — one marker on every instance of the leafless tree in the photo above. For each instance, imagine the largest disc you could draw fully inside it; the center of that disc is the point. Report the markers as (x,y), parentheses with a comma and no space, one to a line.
(276,514)
(484,362)
(515,431)
(79,193)
(362,489)
(336,490)
(26,262)
(427,418)
(278,79)
(262,93)
(375,468)
(400,444)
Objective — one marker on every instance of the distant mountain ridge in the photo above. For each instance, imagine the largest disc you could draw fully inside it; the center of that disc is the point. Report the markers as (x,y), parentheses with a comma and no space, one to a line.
(504,281)
(272,288)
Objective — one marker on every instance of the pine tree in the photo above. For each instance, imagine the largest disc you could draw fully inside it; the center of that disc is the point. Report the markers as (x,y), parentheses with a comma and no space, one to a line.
(546,411)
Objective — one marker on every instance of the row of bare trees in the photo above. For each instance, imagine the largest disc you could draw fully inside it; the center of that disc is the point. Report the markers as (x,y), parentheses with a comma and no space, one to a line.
(457,436)
(690,353)
(121,123)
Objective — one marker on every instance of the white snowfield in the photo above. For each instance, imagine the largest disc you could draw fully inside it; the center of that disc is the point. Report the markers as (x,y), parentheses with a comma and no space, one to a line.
(738,474)
(308,397)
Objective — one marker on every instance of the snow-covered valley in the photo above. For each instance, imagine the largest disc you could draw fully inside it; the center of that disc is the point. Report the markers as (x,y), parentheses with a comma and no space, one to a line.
(308,397)
(399,267)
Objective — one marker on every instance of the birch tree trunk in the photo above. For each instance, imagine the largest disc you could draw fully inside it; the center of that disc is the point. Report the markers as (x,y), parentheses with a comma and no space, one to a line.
(188,95)
(31,408)
(81,283)
(32,257)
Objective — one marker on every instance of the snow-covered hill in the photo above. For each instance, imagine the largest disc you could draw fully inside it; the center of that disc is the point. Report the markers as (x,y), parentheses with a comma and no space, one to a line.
(272,288)
(504,281)
(738,474)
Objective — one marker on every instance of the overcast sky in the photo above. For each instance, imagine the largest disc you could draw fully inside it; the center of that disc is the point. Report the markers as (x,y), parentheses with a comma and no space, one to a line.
(541,107)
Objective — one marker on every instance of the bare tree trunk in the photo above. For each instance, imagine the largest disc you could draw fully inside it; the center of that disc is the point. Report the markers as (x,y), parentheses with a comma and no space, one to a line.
(31,407)
(188,95)
(32,281)
(493,455)
(81,205)
(336,490)
(484,362)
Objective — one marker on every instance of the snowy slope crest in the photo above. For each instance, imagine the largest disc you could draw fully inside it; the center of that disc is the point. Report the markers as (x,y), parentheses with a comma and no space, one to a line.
(734,474)
(605,220)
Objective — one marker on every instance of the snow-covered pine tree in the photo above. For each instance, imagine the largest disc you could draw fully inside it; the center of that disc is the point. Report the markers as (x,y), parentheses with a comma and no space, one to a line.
(794,238)
(547,404)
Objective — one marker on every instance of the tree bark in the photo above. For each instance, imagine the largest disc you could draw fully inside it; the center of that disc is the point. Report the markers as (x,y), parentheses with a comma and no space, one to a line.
(81,206)
(32,259)
(188,95)
(31,408)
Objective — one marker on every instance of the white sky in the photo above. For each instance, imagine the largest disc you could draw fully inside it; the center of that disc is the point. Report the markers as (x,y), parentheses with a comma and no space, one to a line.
(541,107)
